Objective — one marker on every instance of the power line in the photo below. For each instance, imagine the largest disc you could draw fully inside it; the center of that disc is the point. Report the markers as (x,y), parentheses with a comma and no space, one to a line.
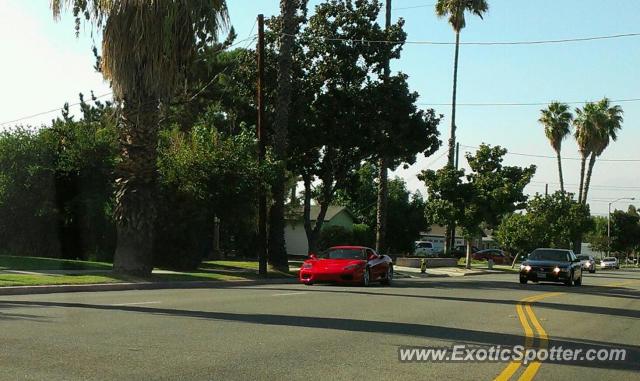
(479,43)
(564,158)
(413,7)
(480,104)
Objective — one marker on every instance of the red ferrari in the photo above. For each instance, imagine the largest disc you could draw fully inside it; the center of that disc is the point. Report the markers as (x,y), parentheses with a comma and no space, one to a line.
(347,264)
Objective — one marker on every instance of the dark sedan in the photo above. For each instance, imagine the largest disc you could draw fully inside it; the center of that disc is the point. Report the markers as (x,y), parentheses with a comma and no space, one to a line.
(552,265)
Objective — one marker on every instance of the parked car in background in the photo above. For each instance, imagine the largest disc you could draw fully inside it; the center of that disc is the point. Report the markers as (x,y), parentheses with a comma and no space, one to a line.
(551,265)
(424,249)
(460,251)
(588,263)
(609,263)
(498,256)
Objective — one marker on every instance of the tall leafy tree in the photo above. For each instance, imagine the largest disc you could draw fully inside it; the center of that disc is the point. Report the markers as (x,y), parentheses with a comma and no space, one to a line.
(146,47)
(479,199)
(455,11)
(556,119)
(608,123)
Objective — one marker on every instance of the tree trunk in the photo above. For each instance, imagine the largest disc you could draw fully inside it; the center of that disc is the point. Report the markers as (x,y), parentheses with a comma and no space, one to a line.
(306,214)
(447,240)
(276,244)
(135,211)
(383,196)
(452,138)
(560,171)
(582,165)
(592,162)
(467,262)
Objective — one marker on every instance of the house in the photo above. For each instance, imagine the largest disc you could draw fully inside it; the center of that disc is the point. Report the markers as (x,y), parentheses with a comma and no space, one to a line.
(295,236)
(436,233)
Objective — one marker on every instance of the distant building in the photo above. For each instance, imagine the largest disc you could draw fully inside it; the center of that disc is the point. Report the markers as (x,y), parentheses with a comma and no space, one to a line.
(296,237)
(436,235)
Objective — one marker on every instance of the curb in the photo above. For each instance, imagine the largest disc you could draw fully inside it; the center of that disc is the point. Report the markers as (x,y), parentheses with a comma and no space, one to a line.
(53,289)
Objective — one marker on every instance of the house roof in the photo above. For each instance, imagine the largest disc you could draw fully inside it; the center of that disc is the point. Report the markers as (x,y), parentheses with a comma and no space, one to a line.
(332,211)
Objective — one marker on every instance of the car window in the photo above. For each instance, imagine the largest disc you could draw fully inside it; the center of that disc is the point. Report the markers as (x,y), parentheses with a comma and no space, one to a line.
(549,255)
(583,257)
(343,254)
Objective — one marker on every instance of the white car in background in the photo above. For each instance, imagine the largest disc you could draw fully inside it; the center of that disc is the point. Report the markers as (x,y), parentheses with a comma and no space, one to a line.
(424,249)
(609,263)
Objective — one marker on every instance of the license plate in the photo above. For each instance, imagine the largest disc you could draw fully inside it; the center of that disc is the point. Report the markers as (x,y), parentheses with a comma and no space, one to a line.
(542,275)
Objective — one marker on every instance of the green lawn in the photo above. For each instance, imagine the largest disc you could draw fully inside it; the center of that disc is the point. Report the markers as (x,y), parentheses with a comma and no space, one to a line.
(209,271)
(8,262)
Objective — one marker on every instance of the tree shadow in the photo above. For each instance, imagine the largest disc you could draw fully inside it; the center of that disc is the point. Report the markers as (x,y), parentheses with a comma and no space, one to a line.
(427,331)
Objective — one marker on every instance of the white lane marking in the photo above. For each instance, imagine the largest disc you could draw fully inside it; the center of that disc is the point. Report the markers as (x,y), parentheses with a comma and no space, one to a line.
(289,293)
(132,304)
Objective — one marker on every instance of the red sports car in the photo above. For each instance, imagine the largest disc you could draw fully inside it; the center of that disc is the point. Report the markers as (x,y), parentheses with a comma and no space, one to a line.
(347,264)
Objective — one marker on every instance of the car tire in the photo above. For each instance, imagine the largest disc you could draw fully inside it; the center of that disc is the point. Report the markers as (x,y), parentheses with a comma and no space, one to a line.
(578,282)
(569,281)
(308,283)
(388,277)
(592,271)
(523,280)
(366,277)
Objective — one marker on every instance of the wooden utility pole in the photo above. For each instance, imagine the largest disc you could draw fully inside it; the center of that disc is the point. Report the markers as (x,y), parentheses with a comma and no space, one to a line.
(452,228)
(262,198)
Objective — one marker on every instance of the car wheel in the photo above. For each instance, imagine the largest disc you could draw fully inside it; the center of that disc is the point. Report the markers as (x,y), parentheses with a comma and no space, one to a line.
(366,277)
(592,271)
(569,281)
(308,283)
(388,277)
(523,280)
(578,282)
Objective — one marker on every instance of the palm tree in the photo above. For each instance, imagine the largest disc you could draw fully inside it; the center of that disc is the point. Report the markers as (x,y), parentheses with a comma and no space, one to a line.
(556,119)
(455,10)
(277,250)
(146,48)
(586,135)
(608,123)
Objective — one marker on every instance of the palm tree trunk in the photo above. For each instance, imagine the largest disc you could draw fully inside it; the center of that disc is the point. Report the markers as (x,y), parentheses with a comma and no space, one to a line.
(582,165)
(135,211)
(452,138)
(450,231)
(383,178)
(592,162)
(276,244)
(383,193)
(560,171)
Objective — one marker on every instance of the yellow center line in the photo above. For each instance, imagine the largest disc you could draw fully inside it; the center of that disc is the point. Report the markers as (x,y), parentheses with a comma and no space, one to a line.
(524,310)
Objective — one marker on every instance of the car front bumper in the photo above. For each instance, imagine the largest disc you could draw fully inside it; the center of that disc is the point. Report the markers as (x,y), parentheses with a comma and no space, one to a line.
(536,276)
(328,276)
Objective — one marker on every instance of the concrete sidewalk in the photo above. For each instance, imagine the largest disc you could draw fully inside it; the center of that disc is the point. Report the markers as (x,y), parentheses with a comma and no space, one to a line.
(443,272)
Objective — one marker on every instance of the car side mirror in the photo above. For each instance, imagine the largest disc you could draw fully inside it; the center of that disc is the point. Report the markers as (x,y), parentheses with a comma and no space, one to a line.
(371,257)
(313,256)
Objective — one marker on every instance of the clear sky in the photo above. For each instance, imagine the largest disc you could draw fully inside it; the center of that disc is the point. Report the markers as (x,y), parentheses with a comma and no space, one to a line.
(44,65)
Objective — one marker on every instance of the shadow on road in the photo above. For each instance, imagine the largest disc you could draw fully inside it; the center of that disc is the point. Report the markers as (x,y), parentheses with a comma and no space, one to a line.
(457,335)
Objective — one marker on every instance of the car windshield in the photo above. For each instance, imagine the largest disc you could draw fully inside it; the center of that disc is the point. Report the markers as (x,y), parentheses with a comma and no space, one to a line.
(583,257)
(609,259)
(424,245)
(343,254)
(549,255)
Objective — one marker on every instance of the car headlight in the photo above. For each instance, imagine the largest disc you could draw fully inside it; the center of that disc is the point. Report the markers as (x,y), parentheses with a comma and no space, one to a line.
(556,269)
(588,264)
(525,267)
(355,266)
(307,265)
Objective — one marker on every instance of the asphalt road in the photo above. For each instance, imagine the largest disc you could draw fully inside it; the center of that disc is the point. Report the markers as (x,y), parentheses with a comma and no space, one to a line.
(281,332)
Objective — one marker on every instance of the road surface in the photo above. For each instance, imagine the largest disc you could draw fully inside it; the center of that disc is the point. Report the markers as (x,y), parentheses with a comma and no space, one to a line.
(281,332)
